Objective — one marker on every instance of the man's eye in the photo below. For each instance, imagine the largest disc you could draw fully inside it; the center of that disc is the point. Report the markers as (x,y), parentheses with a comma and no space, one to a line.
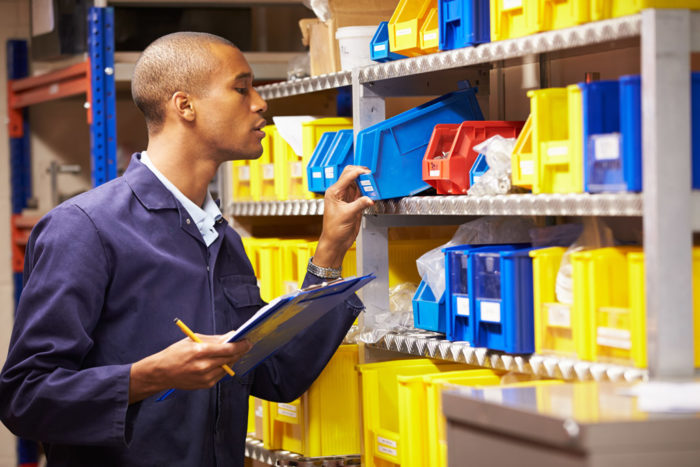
(242,91)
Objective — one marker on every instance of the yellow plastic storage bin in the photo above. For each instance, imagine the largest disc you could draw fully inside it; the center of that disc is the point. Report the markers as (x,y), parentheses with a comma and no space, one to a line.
(429,34)
(262,169)
(241,188)
(267,264)
(422,426)
(517,18)
(618,304)
(557,139)
(380,406)
(286,166)
(294,254)
(603,9)
(523,159)
(407,23)
(402,259)
(560,328)
(325,421)
(311,132)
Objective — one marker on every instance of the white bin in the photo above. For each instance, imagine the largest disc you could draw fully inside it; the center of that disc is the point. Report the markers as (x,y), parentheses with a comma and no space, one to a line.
(354,46)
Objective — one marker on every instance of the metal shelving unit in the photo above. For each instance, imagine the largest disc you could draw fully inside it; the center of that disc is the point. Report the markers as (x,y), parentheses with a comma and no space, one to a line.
(429,344)
(254,449)
(664,40)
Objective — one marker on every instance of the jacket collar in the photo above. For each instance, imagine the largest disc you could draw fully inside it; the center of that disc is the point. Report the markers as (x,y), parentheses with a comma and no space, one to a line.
(146,186)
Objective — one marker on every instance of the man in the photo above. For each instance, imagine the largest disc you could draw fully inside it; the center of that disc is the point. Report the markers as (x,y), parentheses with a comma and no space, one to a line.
(106,272)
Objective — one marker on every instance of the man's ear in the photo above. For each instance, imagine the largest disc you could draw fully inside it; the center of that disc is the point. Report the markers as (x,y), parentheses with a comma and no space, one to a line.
(183,105)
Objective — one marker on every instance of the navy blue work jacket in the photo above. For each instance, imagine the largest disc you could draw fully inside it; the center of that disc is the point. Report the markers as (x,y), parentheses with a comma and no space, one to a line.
(105,275)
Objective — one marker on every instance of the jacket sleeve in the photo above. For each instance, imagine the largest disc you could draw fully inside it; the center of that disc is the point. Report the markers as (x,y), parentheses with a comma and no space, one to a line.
(46,393)
(290,371)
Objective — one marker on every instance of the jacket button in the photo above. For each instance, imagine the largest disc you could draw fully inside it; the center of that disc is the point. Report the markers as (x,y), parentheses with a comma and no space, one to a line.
(187,220)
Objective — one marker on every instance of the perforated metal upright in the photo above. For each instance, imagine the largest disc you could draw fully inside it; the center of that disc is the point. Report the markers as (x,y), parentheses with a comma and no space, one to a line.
(103,125)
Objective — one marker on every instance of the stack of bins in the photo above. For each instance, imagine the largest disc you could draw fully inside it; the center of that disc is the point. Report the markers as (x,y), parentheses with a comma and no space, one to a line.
(413,28)
(311,133)
(325,421)
(502,299)
(393,150)
(612,134)
(463,23)
(563,329)
(451,155)
(333,152)
(517,18)
(556,135)
(616,303)
(383,444)
(422,425)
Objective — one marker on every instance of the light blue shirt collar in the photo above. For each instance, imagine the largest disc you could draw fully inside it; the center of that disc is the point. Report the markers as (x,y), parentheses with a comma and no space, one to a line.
(204,218)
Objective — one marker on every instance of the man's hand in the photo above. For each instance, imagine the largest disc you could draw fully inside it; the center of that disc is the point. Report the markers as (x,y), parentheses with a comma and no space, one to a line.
(342,214)
(184,365)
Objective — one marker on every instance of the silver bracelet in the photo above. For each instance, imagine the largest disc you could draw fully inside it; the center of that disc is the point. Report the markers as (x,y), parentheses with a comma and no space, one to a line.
(323,273)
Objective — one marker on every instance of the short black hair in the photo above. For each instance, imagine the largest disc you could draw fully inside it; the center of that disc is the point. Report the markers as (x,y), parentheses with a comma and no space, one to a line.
(181,61)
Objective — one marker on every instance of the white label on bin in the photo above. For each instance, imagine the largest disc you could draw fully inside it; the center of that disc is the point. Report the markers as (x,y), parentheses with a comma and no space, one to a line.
(330,172)
(462,306)
(493,395)
(491,312)
(287,410)
(380,47)
(430,37)
(404,32)
(365,183)
(434,173)
(296,169)
(557,151)
(316,175)
(383,449)
(268,171)
(386,441)
(510,4)
(527,167)
(606,147)
(244,173)
(258,411)
(559,315)
(617,338)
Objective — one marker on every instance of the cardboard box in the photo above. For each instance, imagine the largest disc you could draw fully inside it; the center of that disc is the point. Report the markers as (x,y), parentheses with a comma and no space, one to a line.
(320,36)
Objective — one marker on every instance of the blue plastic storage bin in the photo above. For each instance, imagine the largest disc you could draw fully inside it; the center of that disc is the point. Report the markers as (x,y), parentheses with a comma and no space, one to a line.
(393,149)
(379,45)
(338,156)
(428,313)
(463,23)
(314,170)
(613,156)
(502,298)
(478,169)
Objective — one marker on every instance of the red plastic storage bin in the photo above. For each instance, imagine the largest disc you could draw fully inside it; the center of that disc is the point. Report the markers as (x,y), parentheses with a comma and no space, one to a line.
(450,154)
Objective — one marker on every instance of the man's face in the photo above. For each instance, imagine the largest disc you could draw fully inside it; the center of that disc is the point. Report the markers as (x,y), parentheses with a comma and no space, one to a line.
(229,114)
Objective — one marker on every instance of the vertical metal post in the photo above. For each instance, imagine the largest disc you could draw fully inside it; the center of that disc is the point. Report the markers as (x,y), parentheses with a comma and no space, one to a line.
(372,241)
(103,129)
(20,157)
(666,184)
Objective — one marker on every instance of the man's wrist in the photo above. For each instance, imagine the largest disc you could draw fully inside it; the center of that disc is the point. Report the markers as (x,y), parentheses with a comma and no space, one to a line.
(323,272)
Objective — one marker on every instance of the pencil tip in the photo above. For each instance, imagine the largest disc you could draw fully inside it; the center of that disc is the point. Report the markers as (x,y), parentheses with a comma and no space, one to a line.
(176,320)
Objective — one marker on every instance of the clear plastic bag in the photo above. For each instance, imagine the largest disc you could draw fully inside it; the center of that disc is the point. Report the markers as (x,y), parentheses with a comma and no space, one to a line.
(496,180)
(595,234)
(485,230)
(398,318)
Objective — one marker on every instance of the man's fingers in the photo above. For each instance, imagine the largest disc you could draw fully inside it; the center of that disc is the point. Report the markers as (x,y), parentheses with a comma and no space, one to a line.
(349,175)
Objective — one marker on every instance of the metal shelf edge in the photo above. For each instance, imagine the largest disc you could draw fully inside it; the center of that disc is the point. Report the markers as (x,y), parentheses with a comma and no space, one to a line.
(254,449)
(433,345)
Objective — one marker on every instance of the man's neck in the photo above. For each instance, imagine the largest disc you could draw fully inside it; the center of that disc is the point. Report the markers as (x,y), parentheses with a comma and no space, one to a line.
(188,172)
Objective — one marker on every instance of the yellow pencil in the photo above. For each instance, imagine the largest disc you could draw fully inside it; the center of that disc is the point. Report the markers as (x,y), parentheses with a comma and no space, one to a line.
(192,336)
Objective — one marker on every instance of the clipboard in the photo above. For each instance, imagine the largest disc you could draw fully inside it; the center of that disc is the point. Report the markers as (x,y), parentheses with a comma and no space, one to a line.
(279,321)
